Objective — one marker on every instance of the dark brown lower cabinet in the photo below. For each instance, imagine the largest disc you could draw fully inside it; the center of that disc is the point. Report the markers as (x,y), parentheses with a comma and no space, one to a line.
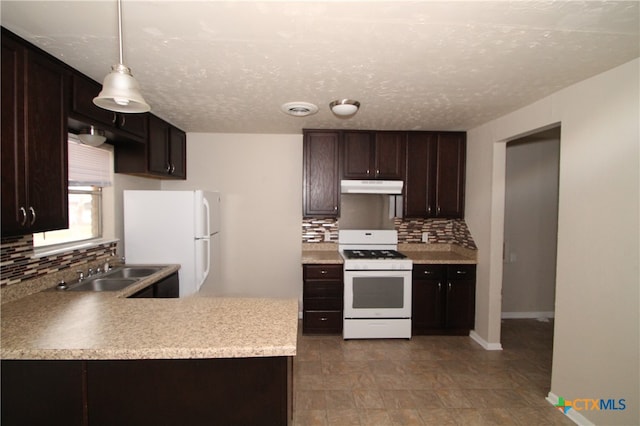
(226,391)
(322,299)
(168,287)
(443,299)
(43,393)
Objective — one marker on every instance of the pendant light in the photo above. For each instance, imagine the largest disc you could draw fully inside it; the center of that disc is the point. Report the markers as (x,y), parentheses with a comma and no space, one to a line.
(120,91)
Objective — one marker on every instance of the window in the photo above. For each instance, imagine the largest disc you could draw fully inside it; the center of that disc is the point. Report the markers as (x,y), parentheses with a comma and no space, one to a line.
(89,172)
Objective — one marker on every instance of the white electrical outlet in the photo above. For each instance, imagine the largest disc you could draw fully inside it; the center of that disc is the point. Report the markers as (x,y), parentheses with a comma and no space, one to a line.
(327,235)
(425,237)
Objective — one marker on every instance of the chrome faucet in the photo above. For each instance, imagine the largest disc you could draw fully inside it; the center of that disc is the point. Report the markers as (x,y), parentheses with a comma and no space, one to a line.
(80,275)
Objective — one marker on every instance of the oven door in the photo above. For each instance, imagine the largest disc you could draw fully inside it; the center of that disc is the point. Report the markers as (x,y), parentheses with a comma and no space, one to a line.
(377,294)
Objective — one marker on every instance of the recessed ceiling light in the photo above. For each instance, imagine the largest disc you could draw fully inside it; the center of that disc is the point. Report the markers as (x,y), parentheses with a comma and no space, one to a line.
(299,109)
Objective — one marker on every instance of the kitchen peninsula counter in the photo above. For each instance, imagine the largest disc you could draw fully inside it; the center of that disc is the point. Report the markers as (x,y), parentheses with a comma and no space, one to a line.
(193,360)
(69,325)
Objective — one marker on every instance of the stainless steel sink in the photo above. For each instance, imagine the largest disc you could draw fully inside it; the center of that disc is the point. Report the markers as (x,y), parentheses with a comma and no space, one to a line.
(133,272)
(103,284)
(114,280)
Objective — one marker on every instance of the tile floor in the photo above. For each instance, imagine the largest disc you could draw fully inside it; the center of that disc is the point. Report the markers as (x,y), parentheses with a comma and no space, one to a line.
(429,380)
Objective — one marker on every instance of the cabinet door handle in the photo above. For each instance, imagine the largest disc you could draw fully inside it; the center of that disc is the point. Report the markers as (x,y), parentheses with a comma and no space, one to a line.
(173,168)
(438,210)
(114,120)
(459,272)
(449,286)
(33,215)
(428,272)
(439,286)
(123,120)
(324,319)
(23,213)
(168,169)
(323,271)
(429,210)
(335,208)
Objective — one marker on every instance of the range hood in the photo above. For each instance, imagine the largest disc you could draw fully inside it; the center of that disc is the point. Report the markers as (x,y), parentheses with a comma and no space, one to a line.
(371,186)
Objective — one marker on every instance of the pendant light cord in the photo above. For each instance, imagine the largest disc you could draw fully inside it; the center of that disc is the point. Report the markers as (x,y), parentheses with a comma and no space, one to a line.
(120,29)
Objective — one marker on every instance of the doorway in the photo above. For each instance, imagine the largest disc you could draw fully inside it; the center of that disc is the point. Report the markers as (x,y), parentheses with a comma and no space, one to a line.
(531,226)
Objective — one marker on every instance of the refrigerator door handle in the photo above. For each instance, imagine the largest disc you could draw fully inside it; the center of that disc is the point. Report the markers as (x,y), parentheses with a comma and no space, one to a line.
(207,267)
(207,217)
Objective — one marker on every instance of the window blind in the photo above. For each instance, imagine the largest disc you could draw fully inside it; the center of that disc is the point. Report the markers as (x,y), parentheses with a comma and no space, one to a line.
(88,165)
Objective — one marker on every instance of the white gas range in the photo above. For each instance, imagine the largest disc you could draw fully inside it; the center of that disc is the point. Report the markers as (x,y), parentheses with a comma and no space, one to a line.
(377,285)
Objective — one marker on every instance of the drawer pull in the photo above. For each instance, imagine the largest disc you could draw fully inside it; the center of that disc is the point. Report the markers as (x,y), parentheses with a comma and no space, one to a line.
(324,319)
(428,272)
(324,271)
(461,272)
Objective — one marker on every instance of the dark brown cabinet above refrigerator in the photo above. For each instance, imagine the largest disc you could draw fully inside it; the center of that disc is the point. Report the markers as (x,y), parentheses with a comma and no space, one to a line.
(163,156)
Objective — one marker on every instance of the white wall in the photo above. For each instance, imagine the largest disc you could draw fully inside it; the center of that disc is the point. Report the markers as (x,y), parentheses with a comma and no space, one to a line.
(120,183)
(531,226)
(260,181)
(597,326)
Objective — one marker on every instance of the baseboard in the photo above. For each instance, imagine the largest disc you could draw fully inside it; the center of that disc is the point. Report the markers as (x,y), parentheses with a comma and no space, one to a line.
(527,315)
(573,415)
(488,346)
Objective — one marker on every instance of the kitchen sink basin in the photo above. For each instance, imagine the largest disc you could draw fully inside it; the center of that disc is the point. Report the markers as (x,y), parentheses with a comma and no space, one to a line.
(115,280)
(103,284)
(133,272)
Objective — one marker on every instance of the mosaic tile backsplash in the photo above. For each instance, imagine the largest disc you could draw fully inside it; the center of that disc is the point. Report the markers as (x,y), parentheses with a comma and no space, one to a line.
(443,231)
(17,263)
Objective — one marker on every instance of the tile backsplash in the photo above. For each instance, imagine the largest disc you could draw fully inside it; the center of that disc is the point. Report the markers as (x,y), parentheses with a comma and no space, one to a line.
(443,231)
(17,263)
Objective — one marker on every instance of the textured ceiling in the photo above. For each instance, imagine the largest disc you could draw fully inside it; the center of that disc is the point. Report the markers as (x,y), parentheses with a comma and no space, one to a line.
(215,66)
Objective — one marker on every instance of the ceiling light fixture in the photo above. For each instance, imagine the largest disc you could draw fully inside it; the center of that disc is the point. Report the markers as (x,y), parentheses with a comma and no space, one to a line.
(120,91)
(299,109)
(92,136)
(344,107)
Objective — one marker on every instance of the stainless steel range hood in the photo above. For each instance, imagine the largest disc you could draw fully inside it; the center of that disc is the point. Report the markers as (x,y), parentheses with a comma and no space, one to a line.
(371,186)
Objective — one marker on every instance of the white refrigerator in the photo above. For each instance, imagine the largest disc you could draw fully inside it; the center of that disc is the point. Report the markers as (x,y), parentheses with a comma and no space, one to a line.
(180,227)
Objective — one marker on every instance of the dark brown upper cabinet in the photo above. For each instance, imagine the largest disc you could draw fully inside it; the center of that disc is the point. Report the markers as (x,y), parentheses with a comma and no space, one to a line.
(84,112)
(167,146)
(374,155)
(435,175)
(321,174)
(163,156)
(34,139)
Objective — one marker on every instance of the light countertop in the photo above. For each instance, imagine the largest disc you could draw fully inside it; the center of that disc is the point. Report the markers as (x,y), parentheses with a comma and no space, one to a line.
(327,253)
(106,325)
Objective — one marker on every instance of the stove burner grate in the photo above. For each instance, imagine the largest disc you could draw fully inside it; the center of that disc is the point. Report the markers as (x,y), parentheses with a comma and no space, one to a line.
(373,254)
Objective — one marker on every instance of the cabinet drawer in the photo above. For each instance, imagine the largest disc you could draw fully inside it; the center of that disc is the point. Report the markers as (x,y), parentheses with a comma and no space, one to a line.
(429,272)
(322,322)
(323,272)
(322,289)
(461,272)
(325,304)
